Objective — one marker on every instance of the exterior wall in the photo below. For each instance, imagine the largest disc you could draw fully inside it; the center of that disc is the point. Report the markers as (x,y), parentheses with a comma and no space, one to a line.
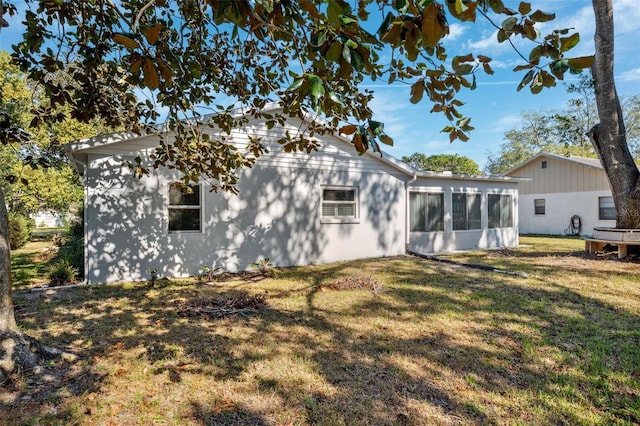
(450,240)
(277,214)
(560,176)
(568,188)
(559,208)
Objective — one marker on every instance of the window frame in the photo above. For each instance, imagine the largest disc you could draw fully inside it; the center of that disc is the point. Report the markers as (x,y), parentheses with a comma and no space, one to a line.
(340,219)
(603,209)
(536,208)
(468,196)
(426,218)
(199,207)
(500,219)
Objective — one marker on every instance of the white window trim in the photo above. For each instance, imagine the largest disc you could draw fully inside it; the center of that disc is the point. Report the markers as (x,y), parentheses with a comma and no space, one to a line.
(356,202)
(544,204)
(183,207)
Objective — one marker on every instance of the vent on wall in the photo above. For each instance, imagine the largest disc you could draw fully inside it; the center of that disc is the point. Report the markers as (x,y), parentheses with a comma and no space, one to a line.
(544,164)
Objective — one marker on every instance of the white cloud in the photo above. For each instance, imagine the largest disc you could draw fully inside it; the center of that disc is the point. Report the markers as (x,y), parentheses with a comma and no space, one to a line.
(456,31)
(631,75)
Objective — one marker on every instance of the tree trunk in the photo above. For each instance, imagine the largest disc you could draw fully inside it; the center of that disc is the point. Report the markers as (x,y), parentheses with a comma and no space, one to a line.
(7,319)
(609,136)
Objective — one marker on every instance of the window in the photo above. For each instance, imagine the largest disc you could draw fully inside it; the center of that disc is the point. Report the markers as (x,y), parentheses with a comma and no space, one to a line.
(185,209)
(543,164)
(539,206)
(466,211)
(606,208)
(500,210)
(426,212)
(339,203)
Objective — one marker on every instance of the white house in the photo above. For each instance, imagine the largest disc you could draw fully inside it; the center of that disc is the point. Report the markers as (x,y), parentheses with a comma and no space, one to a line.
(293,208)
(559,188)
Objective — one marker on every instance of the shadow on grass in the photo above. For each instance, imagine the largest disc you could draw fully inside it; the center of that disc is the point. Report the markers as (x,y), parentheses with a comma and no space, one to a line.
(435,346)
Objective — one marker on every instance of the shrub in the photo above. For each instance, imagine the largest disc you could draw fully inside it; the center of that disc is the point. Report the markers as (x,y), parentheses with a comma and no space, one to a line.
(70,257)
(62,272)
(20,229)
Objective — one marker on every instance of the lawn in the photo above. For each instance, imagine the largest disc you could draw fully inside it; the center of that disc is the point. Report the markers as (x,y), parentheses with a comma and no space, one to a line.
(30,263)
(432,343)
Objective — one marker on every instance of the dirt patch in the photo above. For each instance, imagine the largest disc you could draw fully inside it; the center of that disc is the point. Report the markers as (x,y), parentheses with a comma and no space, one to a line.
(356,282)
(225,307)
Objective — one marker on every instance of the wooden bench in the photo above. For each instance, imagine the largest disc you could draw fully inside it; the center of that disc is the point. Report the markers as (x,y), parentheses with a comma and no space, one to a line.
(592,245)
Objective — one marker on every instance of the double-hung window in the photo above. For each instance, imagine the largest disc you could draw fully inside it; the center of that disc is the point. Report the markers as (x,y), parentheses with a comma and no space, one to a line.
(340,203)
(500,210)
(539,206)
(426,211)
(466,211)
(185,209)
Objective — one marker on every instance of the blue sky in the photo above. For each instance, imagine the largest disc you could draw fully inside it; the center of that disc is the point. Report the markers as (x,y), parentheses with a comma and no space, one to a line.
(495,105)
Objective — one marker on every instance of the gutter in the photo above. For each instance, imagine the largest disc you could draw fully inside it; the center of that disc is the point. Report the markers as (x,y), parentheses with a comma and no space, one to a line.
(406,216)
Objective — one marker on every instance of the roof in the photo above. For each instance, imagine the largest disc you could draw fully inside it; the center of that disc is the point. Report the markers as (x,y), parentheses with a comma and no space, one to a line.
(77,150)
(583,161)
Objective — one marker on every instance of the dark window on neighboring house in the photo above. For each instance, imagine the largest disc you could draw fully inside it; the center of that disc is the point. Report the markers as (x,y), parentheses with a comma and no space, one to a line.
(466,211)
(500,210)
(339,203)
(539,206)
(606,208)
(426,211)
(544,164)
(185,209)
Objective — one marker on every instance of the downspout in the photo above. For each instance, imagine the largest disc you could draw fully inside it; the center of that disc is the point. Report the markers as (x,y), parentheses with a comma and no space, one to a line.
(407,217)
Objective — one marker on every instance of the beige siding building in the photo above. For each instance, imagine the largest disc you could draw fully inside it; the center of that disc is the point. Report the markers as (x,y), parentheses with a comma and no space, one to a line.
(563,195)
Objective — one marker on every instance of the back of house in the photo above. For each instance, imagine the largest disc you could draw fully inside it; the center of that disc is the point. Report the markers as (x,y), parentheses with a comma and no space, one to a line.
(293,208)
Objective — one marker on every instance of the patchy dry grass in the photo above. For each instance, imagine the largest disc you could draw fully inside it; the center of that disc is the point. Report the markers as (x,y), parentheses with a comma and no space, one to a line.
(440,344)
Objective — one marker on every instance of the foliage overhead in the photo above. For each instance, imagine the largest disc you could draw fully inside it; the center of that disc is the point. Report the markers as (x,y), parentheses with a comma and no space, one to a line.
(35,174)
(562,132)
(454,163)
(192,57)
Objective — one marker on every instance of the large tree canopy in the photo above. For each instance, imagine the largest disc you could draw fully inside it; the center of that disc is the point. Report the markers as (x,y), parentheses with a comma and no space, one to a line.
(563,132)
(192,57)
(453,163)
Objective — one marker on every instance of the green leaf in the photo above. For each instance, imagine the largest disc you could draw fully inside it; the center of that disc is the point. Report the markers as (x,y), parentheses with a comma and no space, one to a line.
(509,24)
(384,27)
(333,54)
(357,60)
(376,127)
(295,85)
(567,43)
(316,87)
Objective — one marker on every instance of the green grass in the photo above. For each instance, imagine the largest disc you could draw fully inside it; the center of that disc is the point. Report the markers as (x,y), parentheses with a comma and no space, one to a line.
(29,264)
(441,344)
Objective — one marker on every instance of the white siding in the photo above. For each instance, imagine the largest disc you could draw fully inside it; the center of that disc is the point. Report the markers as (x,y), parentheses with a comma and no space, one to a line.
(559,208)
(276,215)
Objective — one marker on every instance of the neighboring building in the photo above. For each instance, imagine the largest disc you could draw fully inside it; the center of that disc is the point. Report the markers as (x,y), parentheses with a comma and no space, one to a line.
(293,208)
(559,188)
